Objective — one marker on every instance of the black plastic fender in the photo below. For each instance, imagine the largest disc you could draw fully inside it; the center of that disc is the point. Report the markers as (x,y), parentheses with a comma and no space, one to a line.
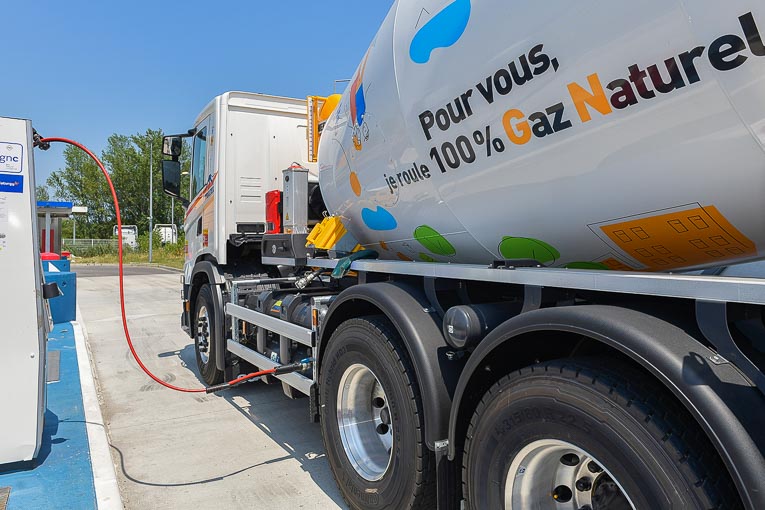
(409,311)
(216,280)
(724,402)
(210,269)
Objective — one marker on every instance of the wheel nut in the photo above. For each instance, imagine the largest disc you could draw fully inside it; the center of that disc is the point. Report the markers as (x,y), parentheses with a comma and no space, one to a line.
(584,484)
(569,459)
(593,467)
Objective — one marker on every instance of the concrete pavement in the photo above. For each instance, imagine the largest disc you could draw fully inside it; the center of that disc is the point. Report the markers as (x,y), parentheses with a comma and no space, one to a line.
(250,447)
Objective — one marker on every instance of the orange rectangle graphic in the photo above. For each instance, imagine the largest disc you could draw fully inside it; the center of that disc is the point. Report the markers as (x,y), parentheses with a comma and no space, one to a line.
(680,239)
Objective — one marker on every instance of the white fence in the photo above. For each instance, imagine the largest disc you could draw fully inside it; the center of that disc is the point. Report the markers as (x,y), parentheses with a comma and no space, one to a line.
(71,244)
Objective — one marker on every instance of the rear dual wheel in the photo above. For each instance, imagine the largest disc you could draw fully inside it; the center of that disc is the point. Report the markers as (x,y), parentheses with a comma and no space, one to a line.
(573,435)
(371,419)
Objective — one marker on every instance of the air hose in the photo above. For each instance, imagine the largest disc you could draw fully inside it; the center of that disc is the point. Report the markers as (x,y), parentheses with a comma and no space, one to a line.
(44,144)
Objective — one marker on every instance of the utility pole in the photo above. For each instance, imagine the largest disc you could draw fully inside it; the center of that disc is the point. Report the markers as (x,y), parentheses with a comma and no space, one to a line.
(151,196)
(172,210)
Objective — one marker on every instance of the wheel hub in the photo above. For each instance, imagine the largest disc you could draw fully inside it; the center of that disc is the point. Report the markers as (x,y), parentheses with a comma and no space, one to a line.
(203,334)
(363,415)
(553,474)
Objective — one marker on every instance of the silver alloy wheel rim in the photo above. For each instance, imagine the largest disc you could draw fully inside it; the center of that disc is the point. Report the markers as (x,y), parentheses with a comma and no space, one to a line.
(554,474)
(203,334)
(363,416)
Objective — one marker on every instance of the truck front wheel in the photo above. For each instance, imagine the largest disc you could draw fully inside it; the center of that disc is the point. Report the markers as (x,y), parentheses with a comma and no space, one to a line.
(371,419)
(204,324)
(573,434)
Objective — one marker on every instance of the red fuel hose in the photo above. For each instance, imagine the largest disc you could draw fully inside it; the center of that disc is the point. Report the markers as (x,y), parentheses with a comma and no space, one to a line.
(122,288)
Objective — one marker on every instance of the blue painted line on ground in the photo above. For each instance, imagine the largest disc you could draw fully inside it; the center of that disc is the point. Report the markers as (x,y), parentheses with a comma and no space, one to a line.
(62,475)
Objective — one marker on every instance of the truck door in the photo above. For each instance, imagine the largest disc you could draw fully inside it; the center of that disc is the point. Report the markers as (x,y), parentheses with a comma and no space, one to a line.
(200,213)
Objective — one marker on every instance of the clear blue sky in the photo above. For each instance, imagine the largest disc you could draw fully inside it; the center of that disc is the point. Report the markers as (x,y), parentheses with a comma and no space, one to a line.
(87,69)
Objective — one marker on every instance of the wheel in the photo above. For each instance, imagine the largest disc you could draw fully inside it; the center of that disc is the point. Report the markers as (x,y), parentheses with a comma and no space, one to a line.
(570,434)
(371,419)
(204,324)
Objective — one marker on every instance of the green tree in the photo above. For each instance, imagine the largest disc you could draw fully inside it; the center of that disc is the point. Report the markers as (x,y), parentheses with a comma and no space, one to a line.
(41,193)
(127,158)
(82,183)
(67,229)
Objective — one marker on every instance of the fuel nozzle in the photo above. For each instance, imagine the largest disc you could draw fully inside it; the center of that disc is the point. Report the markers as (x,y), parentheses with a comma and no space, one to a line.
(306,280)
(300,366)
(37,141)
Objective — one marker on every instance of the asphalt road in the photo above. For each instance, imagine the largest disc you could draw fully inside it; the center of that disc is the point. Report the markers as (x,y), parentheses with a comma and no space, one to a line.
(250,447)
(96,270)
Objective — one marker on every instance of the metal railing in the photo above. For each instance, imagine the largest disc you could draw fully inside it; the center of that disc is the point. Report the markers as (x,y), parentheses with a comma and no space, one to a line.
(74,244)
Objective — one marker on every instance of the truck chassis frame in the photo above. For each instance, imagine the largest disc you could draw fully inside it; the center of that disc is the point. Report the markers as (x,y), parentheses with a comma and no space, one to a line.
(710,295)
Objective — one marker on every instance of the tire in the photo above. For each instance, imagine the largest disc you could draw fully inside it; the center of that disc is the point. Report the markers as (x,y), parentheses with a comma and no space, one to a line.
(204,325)
(619,421)
(365,357)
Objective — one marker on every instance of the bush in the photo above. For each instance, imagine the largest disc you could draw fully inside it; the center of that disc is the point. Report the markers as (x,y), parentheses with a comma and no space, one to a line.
(143,242)
(173,250)
(164,253)
(94,251)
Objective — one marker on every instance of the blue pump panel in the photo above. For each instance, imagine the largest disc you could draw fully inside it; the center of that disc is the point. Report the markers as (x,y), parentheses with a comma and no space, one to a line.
(63,308)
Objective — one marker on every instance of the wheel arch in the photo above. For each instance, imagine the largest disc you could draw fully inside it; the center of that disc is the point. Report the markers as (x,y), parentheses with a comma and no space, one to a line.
(408,310)
(718,396)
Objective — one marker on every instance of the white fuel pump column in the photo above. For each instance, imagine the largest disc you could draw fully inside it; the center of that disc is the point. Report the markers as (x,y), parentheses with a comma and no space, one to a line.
(23,315)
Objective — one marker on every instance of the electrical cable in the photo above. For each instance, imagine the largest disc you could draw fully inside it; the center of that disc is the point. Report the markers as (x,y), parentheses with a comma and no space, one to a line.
(41,142)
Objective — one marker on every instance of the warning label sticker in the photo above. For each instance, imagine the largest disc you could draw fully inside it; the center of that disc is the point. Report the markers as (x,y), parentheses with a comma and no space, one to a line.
(680,238)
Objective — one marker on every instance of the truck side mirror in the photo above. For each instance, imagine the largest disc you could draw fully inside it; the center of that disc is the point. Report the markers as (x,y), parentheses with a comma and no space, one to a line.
(171,179)
(172,146)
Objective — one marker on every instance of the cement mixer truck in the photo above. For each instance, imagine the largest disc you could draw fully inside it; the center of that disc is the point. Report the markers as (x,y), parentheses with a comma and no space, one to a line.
(518,252)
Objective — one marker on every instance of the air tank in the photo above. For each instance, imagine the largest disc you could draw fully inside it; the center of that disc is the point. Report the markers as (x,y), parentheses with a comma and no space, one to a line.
(588,134)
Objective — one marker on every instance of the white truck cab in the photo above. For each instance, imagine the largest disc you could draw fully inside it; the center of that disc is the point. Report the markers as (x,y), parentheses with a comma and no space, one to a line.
(240,144)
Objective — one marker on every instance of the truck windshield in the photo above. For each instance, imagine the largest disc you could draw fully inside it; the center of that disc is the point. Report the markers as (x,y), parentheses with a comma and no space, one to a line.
(198,164)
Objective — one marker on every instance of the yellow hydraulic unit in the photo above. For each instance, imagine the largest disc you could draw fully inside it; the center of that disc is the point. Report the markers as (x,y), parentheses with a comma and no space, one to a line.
(332,235)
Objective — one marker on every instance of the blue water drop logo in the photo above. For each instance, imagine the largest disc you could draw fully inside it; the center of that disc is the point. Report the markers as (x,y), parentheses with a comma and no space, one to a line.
(380,219)
(442,31)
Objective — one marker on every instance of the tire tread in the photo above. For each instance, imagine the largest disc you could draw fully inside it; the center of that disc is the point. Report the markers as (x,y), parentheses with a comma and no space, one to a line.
(425,483)
(646,400)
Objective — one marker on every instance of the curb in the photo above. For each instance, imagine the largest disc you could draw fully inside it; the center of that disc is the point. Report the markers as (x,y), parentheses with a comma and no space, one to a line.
(104,476)
(168,268)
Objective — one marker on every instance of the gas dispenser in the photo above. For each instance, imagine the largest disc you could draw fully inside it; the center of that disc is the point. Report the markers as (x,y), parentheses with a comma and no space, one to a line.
(23,312)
